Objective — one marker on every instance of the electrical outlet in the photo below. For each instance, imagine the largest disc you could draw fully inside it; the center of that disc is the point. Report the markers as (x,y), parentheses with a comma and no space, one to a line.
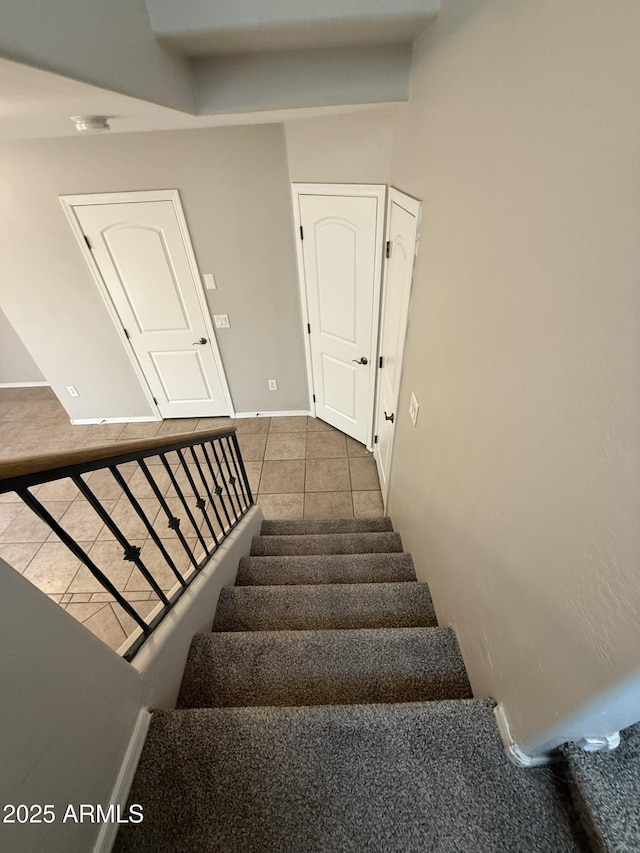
(72,391)
(221,321)
(273,385)
(413,409)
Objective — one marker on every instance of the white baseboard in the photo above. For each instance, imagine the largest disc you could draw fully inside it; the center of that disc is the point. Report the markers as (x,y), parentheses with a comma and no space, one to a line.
(24,384)
(514,752)
(141,420)
(289,414)
(120,793)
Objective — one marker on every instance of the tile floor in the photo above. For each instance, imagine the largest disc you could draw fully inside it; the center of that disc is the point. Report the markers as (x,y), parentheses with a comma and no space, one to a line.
(298,467)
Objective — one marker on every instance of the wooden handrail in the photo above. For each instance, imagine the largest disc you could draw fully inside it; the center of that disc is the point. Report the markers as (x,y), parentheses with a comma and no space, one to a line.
(63,459)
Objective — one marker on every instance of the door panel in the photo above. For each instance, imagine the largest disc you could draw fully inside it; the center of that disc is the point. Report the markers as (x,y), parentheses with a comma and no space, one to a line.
(402,229)
(140,250)
(340,384)
(139,255)
(182,376)
(340,253)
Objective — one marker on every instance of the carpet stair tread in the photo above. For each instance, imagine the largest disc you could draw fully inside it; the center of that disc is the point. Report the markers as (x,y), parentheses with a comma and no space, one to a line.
(605,788)
(324,606)
(326,543)
(323,667)
(304,527)
(362,779)
(329,568)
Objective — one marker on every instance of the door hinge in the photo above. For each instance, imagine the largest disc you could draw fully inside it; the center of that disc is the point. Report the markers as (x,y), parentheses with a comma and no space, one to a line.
(309,328)
(88,242)
(314,398)
(128,336)
(155,401)
(388,249)
(301,233)
(381,361)
(375,439)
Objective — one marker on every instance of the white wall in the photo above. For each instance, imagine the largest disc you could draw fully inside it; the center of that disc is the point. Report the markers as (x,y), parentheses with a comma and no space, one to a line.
(16,365)
(69,706)
(521,137)
(355,148)
(234,186)
(105,42)
(302,78)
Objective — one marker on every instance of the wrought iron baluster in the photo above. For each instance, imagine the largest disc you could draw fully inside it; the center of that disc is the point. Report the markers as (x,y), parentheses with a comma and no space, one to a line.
(208,491)
(236,476)
(200,501)
(34,504)
(231,479)
(224,480)
(237,473)
(131,552)
(145,520)
(218,488)
(183,500)
(243,471)
(174,522)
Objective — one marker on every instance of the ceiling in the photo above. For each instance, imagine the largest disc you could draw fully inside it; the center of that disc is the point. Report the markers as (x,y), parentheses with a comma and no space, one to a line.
(179,64)
(36,104)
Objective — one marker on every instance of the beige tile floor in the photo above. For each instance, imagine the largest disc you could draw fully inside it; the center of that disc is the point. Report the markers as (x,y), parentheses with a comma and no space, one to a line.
(298,467)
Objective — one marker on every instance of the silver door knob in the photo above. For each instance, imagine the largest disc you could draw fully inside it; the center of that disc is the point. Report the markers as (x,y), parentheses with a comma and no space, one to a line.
(200,342)
(363,360)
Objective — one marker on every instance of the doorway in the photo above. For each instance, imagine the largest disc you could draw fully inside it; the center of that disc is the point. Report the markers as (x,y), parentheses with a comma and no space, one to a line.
(340,231)
(138,248)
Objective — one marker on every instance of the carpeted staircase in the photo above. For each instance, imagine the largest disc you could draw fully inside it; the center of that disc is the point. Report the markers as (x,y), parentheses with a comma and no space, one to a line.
(327,711)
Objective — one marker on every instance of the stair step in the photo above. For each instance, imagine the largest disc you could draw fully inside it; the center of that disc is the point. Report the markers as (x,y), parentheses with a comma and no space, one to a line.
(393,778)
(333,568)
(331,667)
(326,543)
(300,527)
(605,789)
(323,606)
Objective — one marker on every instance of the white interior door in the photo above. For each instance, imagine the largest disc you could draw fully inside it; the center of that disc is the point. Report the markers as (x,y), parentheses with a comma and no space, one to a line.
(403,214)
(145,260)
(341,252)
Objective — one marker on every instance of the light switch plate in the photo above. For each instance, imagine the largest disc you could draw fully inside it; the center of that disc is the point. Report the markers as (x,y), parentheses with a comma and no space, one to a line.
(221,321)
(413,409)
(209,281)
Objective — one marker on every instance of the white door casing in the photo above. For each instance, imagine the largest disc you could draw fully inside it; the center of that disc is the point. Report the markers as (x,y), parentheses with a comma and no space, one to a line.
(340,258)
(138,248)
(403,220)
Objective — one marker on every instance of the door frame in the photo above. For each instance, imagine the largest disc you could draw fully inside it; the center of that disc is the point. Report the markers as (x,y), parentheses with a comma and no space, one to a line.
(379,192)
(70,202)
(414,207)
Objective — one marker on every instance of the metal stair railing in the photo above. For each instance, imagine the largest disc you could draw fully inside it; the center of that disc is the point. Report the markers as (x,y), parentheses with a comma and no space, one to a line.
(195,486)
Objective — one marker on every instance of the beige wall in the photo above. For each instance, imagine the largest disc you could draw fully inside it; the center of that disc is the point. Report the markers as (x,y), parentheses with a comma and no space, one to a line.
(522,136)
(16,365)
(354,148)
(234,187)
(105,42)
(69,708)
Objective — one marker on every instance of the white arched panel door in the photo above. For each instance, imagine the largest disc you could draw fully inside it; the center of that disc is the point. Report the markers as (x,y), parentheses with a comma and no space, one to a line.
(145,261)
(341,248)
